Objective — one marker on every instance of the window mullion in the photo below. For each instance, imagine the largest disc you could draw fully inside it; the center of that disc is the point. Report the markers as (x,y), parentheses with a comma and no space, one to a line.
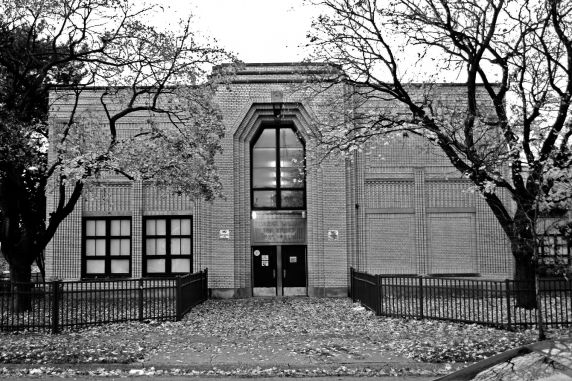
(108,246)
(168,267)
(278,169)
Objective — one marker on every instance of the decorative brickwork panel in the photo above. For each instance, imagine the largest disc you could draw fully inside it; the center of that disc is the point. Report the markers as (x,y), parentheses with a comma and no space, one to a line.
(389,194)
(332,195)
(449,194)
(413,151)
(452,243)
(63,252)
(391,244)
(495,258)
(136,229)
(155,199)
(108,198)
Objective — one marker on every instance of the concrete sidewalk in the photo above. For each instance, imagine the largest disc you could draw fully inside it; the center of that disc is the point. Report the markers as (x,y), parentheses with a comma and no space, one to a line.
(273,358)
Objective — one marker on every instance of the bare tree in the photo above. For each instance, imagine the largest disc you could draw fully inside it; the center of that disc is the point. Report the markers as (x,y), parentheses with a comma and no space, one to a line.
(138,69)
(514,115)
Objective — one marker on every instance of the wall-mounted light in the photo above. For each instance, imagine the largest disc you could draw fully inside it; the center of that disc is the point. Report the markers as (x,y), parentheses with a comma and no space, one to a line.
(254,215)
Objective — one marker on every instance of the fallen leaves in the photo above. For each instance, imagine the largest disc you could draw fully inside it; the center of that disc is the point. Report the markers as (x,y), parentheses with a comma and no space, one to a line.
(235,372)
(315,331)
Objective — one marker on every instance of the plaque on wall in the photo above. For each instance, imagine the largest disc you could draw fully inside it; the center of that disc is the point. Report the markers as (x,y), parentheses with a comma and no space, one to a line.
(273,227)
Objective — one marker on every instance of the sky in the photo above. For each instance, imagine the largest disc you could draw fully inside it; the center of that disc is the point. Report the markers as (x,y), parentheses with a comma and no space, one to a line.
(256,30)
(270,31)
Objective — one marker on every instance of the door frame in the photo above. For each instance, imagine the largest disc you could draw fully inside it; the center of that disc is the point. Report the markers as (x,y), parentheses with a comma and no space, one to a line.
(264,291)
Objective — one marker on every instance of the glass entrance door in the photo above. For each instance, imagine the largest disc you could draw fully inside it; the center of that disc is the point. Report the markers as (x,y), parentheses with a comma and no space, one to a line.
(294,270)
(279,270)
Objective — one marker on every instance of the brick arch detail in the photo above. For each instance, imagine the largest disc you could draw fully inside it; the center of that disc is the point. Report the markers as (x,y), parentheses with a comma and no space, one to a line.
(257,114)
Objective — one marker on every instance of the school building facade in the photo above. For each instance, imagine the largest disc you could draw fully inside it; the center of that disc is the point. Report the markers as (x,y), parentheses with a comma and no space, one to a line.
(399,208)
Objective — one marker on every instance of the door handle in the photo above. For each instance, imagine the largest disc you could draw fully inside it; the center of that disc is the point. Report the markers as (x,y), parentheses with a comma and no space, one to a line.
(274,274)
(283,273)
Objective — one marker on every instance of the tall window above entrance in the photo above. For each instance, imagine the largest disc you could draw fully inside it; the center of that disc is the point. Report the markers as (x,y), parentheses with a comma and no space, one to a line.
(278,173)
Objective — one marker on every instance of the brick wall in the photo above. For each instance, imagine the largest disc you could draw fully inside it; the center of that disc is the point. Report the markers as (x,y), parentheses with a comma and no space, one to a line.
(397,208)
(438,224)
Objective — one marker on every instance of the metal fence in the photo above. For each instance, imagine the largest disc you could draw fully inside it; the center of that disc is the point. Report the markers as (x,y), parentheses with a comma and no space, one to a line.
(58,305)
(479,301)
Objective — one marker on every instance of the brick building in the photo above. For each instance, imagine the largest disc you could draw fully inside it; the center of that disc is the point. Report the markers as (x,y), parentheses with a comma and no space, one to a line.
(394,209)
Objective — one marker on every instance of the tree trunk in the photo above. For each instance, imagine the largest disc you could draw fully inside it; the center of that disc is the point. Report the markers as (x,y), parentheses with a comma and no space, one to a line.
(524,274)
(21,288)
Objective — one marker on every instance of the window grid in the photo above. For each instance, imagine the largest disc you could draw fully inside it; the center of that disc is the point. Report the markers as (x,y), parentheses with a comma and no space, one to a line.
(555,250)
(281,167)
(166,242)
(106,247)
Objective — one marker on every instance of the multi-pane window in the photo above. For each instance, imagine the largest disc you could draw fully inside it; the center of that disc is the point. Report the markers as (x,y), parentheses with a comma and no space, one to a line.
(555,250)
(278,171)
(167,245)
(107,247)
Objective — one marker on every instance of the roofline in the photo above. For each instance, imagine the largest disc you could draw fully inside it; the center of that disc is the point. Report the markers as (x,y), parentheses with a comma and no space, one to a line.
(270,64)
(270,81)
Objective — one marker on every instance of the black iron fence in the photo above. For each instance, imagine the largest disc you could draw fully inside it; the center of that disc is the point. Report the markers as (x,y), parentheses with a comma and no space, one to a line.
(58,305)
(487,302)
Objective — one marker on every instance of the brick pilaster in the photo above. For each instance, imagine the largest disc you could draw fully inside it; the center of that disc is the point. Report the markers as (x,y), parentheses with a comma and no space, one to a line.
(420,206)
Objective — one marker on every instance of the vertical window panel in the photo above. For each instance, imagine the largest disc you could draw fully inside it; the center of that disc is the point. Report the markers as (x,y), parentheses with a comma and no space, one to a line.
(99,227)
(161,246)
(175,246)
(115,228)
(125,247)
(289,139)
(90,247)
(278,168)
(267,139)
(99,247)
(185,246)
(125,228)
(90,228)
(150,227)
(161,226)
(186,226)
(150,246)
(175,227)
(115,247)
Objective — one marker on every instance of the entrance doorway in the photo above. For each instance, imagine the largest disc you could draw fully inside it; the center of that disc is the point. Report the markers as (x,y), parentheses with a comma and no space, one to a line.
(279,270)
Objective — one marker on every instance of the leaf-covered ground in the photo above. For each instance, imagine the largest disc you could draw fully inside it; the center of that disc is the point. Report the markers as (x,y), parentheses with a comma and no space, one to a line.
(316,330)
(260,337)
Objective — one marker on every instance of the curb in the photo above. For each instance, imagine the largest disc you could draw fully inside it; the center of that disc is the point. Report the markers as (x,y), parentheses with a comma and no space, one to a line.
(238,369)
(471,371)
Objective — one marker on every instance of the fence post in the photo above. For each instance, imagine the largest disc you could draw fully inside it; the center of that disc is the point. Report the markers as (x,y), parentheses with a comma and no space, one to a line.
(539,320)
(179,298)
(140,292)
(378,295)
(352,284)
(507,293)
(56,305)
(421,312)
(206,284)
